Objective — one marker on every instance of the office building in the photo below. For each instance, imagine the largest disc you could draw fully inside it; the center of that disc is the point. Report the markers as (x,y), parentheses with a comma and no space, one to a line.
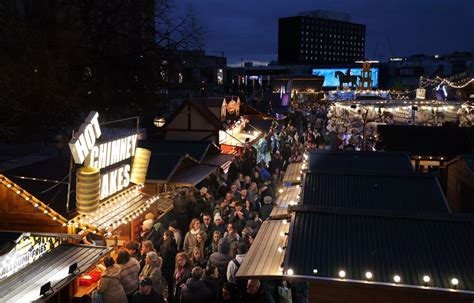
(320,37)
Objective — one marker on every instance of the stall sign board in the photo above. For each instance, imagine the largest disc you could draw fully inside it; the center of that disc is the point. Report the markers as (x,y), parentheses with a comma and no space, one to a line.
(85,150)
(28,248)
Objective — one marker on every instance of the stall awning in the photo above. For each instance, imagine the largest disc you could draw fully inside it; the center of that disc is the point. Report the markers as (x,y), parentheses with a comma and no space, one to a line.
(288,196)
(263,259)
(192,175)
(220,160)
(119,209)
(293,173)
(24,286)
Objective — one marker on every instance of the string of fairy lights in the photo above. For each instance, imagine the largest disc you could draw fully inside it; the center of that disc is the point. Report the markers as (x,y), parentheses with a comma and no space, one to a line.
(342,274)
(115,209)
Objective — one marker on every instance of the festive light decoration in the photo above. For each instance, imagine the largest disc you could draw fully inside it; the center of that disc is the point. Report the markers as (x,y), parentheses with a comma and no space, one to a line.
(396,279)
(342,274)
(368,275)
(40,206)
(290,272)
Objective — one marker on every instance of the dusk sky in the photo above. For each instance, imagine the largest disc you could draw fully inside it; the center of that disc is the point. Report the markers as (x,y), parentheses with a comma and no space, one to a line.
(248,29)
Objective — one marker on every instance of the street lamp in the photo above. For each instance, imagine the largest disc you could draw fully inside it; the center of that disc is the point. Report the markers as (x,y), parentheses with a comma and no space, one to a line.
(159,121)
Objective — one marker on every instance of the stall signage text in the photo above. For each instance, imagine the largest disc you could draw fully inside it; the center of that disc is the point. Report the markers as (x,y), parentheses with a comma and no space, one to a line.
(84,150)
(26,251)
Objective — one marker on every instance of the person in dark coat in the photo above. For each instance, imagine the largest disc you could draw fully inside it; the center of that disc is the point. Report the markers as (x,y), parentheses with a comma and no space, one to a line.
(182,210)
(146,293)
(168,253)
(221,258)
(195,291)
(211,280)
(149,233)
(267,207)
(239,217)
(256,293)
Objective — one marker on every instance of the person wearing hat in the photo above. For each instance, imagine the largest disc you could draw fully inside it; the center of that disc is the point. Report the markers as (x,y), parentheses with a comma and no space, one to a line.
(219,224)
(156,224)
(150,233)
(146,293)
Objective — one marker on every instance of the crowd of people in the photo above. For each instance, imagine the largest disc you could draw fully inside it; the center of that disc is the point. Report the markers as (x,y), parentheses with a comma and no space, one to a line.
(195,256)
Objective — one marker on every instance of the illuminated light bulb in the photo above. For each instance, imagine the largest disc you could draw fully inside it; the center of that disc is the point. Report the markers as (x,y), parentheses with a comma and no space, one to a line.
(18,192)
(282,234)
(426,279)
(280,190)
(280,249)
(315,271)
(45,211)
(9,185)
(94,232)
(54,218)
(342,274)
(442,158)
(396,278)
(281,269)
(299,178)
(290,272)
(27,198)
(454,282)
(368,275)
(64,224)
(285,221)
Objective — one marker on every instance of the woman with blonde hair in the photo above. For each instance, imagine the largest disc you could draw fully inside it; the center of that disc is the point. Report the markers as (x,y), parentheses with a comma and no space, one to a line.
(182,273)
(197,258)
(152,270)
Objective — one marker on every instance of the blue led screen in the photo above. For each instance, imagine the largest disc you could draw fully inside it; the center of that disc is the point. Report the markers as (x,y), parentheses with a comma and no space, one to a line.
(331,80)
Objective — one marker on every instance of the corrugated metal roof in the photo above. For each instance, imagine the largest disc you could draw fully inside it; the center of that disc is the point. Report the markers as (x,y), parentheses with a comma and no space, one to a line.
(24,286)
(217,159)
(408,193)
(371,162)
(409,247)
(289,194)
(263,258)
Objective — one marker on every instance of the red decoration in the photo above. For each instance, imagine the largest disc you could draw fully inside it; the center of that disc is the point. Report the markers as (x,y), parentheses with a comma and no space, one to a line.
(85,280)
(95,274)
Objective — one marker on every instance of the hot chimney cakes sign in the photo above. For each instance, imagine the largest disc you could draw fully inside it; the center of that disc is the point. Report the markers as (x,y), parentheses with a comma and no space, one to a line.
(91,185)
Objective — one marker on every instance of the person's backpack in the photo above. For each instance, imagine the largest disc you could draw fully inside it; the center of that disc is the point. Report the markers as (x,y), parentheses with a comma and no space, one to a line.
(241,283)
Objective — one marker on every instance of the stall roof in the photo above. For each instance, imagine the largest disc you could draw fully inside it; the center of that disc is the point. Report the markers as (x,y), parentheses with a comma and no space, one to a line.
(263,259)
(161,167)
(116,210)
(289,194)
(24,286)
(196,149)
(54,194)
(293,173)
(410,193)
(217,159)
(370,162)
(425,140)
(441,247)
(192,175)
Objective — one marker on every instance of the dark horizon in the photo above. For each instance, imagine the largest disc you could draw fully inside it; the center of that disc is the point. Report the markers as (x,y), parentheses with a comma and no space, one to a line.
(249,31)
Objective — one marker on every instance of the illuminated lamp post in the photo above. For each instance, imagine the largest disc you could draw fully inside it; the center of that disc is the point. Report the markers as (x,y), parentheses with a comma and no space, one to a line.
(159,121)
